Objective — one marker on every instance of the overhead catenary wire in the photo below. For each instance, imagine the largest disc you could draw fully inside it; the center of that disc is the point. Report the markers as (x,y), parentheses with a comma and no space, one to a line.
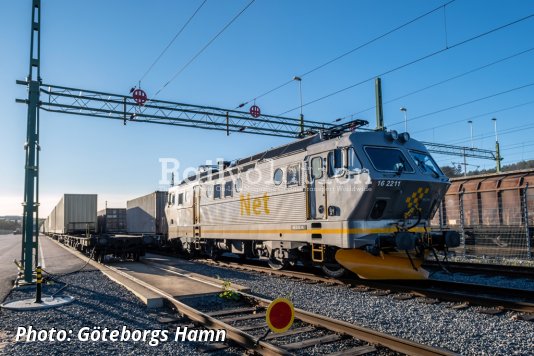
(432,54)
(464,103)
(172,41)
(335,59)
(492,134)
(180,71)
(472,117)
(471,71)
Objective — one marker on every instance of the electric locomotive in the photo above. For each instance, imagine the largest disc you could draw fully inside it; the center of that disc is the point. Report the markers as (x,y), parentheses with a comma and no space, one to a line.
(341,199)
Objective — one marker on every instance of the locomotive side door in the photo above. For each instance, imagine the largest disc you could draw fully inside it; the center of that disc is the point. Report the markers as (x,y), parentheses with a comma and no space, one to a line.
(196,204)
(316,188)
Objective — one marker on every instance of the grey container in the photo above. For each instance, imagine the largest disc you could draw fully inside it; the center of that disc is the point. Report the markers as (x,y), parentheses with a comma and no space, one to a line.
(146,214)
(74,214)
(112,221)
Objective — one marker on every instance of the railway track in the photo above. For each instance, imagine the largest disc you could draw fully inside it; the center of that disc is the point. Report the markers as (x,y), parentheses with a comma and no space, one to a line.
(484,268)
(493,299)
(312,329)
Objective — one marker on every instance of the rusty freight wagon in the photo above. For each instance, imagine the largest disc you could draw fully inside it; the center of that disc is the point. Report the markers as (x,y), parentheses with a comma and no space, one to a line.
(494,212)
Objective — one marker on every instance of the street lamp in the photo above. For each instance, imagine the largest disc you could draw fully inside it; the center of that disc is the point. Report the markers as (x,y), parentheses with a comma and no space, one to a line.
(495,128)
(403,109)
(497,148)
(299,79)
(470,122)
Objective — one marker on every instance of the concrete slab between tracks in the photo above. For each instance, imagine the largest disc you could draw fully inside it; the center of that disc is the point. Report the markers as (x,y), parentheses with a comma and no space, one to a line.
(147,296)
(179,267)
(168,274)
(173,284)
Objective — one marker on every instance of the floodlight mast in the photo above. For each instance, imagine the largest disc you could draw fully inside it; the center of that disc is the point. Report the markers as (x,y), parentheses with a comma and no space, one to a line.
(30,217)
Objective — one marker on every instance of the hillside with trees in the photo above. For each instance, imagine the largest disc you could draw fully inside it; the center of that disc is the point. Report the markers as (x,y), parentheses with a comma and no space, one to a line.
(456,171)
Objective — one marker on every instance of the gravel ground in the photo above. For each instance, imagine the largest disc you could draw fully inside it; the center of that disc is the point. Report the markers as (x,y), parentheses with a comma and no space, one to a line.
(99,302)
(463,331)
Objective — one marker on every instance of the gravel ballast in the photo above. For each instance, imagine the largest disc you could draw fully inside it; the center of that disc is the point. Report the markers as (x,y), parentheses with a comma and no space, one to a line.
(463,331)
(99,302)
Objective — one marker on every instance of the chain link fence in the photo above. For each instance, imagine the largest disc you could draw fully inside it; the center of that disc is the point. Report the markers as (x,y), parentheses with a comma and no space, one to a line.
(496,223)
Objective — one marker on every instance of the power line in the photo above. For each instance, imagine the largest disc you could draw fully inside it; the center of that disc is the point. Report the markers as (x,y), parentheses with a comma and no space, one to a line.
(477,116)
(172,41)
(348,52)
(204,48)
(501,133)
(441,82)
(465,103)
(412,62)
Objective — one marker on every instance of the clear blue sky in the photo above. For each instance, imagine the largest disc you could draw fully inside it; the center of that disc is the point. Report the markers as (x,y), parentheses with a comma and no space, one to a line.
(108,45)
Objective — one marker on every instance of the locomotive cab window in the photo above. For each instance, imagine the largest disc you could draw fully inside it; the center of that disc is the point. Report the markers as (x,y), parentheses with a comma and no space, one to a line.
(278,176)
(217,191)
(335,163)
(426,163)
(209,191)
(353,163)
(238,185)
(293,175)
(228,189)
(181,199)
(387,159)
(316,168)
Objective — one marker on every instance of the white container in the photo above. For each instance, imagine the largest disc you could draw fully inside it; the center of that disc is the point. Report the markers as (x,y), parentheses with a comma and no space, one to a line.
(74,214)
(146,214)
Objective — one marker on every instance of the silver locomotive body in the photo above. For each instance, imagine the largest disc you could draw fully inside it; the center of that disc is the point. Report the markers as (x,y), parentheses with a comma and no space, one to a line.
(316,201)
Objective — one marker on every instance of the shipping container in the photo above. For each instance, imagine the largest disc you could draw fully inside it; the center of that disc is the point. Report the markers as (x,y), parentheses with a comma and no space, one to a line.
(74,214)
(112,221)
(146,214)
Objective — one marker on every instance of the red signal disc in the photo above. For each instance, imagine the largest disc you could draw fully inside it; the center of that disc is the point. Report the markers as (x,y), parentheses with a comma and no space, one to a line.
(280,315)
(255,111)
(139,96)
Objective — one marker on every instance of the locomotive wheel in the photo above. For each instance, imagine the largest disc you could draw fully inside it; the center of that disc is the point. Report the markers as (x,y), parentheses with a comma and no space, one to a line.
(212,252)
(333,270)
(277,264)
(277,260)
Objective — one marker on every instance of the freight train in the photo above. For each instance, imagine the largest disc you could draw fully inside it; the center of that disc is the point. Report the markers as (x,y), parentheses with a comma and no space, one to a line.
(74,222)
(341,199)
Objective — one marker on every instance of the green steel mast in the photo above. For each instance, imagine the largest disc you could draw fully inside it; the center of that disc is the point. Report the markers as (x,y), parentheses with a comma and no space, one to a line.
(30,220)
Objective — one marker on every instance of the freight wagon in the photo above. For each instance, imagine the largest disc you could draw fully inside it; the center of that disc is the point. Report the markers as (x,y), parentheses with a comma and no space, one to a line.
(495,213)
(74,214)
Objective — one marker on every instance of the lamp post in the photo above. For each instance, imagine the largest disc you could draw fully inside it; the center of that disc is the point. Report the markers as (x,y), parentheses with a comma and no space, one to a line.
(497,148)
(405,111)
(299,79)
(470,122)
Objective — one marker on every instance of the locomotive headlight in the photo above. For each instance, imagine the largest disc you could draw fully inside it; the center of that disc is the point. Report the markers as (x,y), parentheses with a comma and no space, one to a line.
(404,137)
(392,135)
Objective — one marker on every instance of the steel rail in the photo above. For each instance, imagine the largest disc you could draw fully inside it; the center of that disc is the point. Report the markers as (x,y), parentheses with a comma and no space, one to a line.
(250,342)
(485,268)
(362,333)
(476,294)
(240,337)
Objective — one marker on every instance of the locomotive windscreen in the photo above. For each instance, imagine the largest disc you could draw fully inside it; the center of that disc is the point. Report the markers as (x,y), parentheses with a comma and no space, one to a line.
(387,159)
